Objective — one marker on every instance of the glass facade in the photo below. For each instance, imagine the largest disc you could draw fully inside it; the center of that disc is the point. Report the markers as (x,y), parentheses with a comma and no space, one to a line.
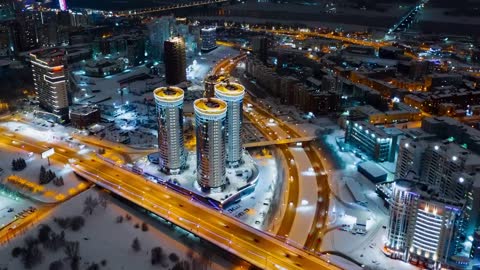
(232,94)
(210,120)
(169,102)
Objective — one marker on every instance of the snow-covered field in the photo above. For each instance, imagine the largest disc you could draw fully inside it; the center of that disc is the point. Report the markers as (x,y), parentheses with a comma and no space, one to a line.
(102,238)
(72,184)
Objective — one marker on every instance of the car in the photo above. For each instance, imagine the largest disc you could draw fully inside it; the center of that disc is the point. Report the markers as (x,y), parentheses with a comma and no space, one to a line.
(10,210)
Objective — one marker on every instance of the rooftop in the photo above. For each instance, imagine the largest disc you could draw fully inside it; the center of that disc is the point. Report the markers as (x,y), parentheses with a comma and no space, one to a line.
(212,106)
(230,89)
(168,94)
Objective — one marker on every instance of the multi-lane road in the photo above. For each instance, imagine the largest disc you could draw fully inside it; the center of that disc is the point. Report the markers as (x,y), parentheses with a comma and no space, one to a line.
(254,246)
(257,247)
(256,115)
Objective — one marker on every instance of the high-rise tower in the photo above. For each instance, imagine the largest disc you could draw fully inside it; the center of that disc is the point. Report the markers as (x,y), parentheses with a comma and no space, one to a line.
(211,81)
(51,81)
(62,4)
(169,102)
(232,94)
(210,116)
(209,38)
(175,61)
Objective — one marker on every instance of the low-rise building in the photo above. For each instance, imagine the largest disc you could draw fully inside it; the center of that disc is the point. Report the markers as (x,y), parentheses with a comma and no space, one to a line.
(379,144)
(83,117)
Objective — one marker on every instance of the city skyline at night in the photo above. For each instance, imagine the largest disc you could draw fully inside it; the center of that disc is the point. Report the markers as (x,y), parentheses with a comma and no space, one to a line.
(219,134)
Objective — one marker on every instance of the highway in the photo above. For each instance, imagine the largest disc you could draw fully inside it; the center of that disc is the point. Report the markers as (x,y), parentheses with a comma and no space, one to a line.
(375,44)
(279,141)
(257,247)
(256,115)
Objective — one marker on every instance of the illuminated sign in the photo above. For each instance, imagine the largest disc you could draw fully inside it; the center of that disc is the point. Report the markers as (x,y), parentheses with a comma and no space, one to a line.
(48,153)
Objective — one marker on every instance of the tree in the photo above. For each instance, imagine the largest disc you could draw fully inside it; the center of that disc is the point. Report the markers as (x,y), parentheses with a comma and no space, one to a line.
(19,164)
(103,200)
(183,265)
(50,175)
(43,175)
(77,223)
(144,227)
(90,204)
(173,257)
(119,219)
(56,265)
(58,181)
(157,256)
(44,233)
(93,266)
(17,251)
(136,245)
(32,255)
(55,242)
(46,176)
(64,223)
(72,251)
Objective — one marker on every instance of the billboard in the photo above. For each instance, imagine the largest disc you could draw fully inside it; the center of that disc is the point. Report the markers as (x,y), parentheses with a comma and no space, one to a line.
(48,153)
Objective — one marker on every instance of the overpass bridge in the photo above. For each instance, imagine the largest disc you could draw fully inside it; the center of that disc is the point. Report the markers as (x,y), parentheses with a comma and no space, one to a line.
(279,142)
(145,11)
(257,247)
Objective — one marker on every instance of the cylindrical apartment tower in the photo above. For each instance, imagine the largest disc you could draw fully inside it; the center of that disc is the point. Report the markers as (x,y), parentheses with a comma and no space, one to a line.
(210,82)
(169,101)
(232,94)
(210,115)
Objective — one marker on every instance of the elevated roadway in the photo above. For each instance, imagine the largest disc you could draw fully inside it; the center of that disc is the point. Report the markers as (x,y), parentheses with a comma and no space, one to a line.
(256,247)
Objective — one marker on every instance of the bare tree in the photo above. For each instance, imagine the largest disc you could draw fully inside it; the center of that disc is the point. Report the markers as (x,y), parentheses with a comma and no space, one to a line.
(183,265)
(90,204)
(136,245)
(31,255)
(56,265)
(103,200)
(157,256)
(72,250)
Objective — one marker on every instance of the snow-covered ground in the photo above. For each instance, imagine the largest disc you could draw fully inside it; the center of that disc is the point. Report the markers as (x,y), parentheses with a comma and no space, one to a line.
(343,210)
(259,201)
(102,238)
(51,193)
(110,86)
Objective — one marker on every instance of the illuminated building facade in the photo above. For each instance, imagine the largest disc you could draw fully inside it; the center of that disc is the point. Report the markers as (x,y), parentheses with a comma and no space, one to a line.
(209,38)
(377,143)
(62,4)
(50,77)
(169,102)
(210,119)
(423,227)
(403,196)
(232,94)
